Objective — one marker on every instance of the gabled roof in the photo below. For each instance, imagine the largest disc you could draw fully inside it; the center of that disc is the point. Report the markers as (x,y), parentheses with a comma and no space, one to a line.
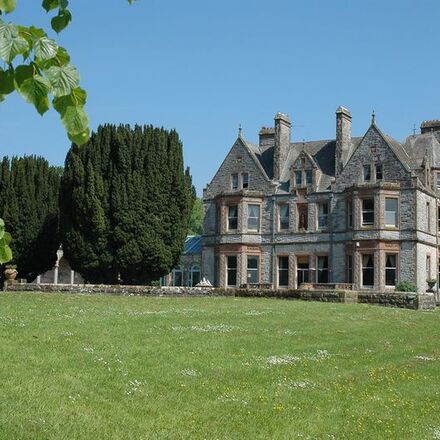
(419,145)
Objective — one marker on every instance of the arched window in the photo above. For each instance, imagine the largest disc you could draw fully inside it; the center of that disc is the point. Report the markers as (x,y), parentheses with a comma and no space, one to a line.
(194,275)
(177,276)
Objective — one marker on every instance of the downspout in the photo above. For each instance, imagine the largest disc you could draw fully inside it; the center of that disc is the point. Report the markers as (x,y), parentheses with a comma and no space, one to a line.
(272,254)
(331,238)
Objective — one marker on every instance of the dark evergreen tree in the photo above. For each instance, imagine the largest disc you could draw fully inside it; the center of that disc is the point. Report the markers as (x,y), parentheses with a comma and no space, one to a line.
(125,201)
(29,193)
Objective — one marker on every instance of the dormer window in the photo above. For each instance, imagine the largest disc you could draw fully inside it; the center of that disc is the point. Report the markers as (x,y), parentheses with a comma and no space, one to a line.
(298,178)
(309,177)
(379,174)
(367,173)
(438,180)
(245,180)
(234,181)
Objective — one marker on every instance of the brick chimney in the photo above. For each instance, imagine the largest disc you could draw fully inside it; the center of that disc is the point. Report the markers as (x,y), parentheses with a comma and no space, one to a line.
(267,138)
(343,138)
(282,143)
(428,126)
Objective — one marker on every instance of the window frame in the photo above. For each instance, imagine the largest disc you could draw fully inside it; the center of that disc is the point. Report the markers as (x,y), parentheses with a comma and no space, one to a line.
(231,269)
(363,268)
(253,270)
(322,271)
(396,213)
(298,173)
(349,268)
(234,181)
(286,271)
(258,218)
(363,222)
(245,178)
(394,268)
(349,218)
(229,218)
(377,167)
(323,216)
(309,173)
(364,169)
(282,219)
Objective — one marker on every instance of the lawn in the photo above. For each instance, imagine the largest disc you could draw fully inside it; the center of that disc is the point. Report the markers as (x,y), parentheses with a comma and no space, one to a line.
(107,367)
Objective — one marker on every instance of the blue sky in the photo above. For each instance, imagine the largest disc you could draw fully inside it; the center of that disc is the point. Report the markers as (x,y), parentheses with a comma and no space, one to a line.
(204,66)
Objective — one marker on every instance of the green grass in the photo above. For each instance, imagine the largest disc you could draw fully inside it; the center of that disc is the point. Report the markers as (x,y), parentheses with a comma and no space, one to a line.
(104,367)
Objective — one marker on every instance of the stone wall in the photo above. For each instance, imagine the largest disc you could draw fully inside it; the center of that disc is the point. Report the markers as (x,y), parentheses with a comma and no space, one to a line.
(399,299)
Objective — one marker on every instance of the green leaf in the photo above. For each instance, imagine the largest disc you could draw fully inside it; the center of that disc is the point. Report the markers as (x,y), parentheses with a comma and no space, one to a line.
(7,29)
(79,138)
(35,90)
(63,79)
(6,81)
(2,223)
(11,46)
(75,120)
(61,21)
(22,73)
(45,48)
(48,5)
(5,253)
(7,5)
(7,238)
(60,59)
(76,99)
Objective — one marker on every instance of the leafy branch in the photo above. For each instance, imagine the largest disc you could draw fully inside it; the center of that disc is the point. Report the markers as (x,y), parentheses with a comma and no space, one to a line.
(46,69)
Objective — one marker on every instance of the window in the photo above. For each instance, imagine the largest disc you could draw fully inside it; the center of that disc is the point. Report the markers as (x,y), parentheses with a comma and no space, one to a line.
(232,270)
(322,215)
(245,180)
(349,269)
(253,223)
(309,177)
(428,216)
(232,217)
(234,181)
(390,269)
(298,178)
(302,271)
(368,270)
(367,173)
(438,180)
(391,212)
(379,174)
(322,272)
(284,217)
(438,218)
(349,214)
(177,276)
(194,275)
(252,270)
(302,216)
(283,271)
(367,212)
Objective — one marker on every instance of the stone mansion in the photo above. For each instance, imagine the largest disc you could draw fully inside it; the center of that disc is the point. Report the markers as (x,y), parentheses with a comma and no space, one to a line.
(360,210)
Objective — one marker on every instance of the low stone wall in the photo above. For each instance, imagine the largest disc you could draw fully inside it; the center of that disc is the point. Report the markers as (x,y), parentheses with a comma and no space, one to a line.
(388,299)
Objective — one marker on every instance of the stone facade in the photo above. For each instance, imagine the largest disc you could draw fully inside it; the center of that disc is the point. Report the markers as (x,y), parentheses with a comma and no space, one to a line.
(358,210)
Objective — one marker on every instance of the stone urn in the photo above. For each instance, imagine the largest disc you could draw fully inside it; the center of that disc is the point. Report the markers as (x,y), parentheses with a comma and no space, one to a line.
(10,273)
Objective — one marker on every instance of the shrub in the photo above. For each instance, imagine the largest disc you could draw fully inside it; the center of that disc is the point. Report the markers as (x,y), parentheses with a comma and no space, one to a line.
(405,286)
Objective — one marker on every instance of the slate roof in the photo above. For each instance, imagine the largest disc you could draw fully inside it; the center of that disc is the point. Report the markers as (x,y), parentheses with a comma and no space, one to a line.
(411,153)
(322,152)
(419,145)
(193,245)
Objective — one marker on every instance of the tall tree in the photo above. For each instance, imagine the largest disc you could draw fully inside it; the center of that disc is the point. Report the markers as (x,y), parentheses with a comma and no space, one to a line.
(29,193)
(125,202)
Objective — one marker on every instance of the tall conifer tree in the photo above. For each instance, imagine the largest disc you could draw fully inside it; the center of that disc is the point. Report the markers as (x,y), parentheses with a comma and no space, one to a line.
(125,202)
(29,192)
